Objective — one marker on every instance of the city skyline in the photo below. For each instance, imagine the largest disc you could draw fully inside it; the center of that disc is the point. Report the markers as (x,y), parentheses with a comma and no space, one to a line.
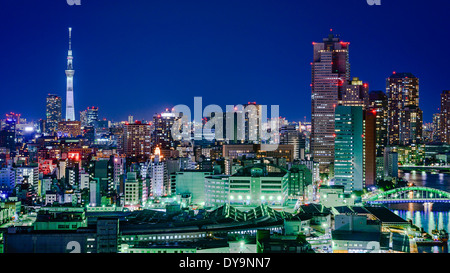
(181,130)
(149,63)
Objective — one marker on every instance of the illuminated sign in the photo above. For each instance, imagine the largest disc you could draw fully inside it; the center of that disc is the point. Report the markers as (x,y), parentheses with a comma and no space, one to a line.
(74,156)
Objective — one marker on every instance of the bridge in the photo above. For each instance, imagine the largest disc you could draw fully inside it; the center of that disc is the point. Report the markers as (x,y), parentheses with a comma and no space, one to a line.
(409,195)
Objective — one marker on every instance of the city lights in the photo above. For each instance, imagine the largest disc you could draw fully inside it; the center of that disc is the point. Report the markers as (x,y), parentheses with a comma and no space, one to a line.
(218,130)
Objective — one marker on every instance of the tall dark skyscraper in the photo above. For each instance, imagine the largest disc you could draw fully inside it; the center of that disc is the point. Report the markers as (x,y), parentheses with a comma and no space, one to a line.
(53,113)
(8,132)
(162,134)
(404,114)
(330,73)
(378,102)
(290,135)
(445,117)
(369,141)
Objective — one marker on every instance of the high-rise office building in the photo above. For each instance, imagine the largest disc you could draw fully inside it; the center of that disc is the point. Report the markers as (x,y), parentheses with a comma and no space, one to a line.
(253,118)
(369,140)
(70,106)
(162,134)
(348,158)
(330,73)
(103,171)
(8,133)
(53,113)
(378,102)
(445,117)
(136,140)
(89,117)
(411,125)
(355,93)
(289,134)
(436,127)
(160,183)
(92,116)
(404,114)
(390,163)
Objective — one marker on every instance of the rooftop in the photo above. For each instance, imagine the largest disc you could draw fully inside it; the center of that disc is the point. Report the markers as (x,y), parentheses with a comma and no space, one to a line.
(383,214)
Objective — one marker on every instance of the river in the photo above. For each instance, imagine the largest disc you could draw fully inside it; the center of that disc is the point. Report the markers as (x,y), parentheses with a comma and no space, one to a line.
(427,216)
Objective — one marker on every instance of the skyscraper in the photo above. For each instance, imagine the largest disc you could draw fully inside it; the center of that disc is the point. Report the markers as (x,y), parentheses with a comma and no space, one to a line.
(136,140)
(378,102)
(253,118)
(369,140)
(53,113)
(404,114)
(330,73)
(70,107)
(289,134)
(355,93)
(162,134)
(8,133)
(89,117)
(436,126)
(349,161)
(445,117)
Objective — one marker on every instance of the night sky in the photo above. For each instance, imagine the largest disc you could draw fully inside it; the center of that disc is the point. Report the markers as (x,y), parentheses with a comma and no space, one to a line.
(139,57)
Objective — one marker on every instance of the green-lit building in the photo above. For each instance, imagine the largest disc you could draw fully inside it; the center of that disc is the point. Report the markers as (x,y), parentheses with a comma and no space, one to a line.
(348,147)
(299,178)
(192,182)
(259,184)
(60,220)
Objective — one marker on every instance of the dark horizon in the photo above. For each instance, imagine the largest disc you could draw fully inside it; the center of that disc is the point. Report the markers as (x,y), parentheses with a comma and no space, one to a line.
(143,57)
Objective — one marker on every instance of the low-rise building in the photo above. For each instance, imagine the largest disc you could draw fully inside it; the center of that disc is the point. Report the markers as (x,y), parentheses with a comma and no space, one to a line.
(332,196)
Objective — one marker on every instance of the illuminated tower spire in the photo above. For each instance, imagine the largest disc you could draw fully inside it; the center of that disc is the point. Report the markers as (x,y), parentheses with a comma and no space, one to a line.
(70,108)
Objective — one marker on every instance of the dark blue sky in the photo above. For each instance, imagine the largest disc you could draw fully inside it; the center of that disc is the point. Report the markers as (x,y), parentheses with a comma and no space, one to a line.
(139,57)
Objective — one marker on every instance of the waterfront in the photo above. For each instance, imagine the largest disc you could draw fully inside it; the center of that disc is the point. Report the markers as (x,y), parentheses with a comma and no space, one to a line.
(427,216)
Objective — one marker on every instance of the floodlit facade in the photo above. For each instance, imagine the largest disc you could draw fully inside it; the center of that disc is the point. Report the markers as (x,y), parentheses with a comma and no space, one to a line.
(70,106)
